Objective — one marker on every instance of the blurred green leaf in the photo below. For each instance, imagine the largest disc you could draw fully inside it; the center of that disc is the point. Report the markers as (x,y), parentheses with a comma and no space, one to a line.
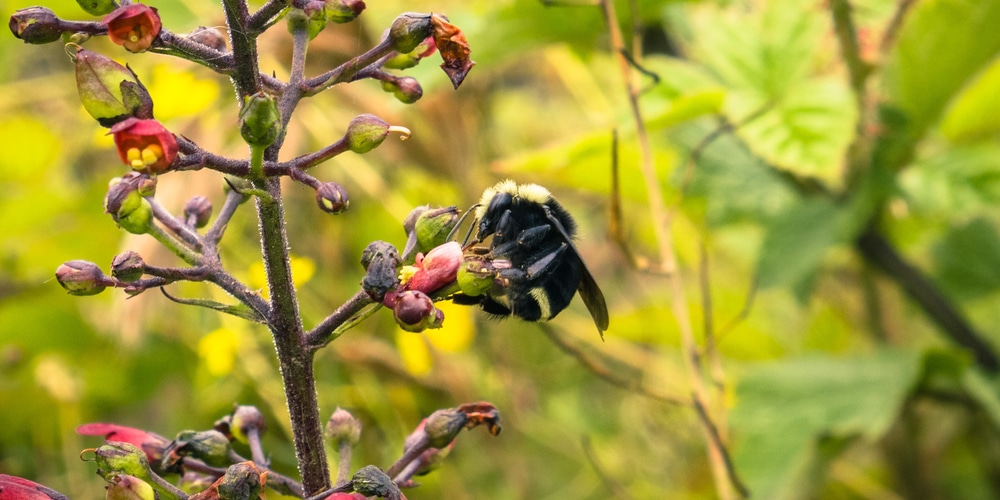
(967,259)
(975,112)
(784,409)
(940,46)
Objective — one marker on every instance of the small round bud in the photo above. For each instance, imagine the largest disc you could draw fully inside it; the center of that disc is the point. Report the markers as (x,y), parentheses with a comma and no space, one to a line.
(415,312)
(343,11)
(260,121)
(128,266)
(145,185)
(443,426)
(332,198)
(246,419)
(370,481)
(342,426)
(198,211)
(97,7)
(408,30)
(124,487)
(209,37)
(406,89)
(81,277)
(35,25)
(366,132)
(241,481)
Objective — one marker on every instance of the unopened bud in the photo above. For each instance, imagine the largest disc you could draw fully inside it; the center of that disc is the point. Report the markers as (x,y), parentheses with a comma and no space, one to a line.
(97,7)
(370,481)
(406,89)
(246,419)
(343,11)
(342,426)
(366,132)
(198,211)
(260,121)
(128,266)
(81,277)
(124,487)
(109,91)
(443,426)
(209,37)
(332,198)
(128,208)
(408,30)
(121,458)
(35,25)
(427,228)
(242,481)
(415,312)
(476,275)
(211,447)
(412,58)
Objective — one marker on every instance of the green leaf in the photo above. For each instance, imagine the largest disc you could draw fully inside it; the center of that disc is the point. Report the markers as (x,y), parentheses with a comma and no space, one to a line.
(784,410)
(957,182)
(941,45)
(797,239)
(967,260)
(975,113)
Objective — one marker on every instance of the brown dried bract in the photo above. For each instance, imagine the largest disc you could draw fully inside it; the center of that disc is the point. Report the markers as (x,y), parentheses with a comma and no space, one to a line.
(454,49)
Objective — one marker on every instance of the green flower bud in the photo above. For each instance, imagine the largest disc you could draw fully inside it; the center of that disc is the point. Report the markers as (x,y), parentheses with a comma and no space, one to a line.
(475,276)
(242,481)
(343,11)
(406,89)
(81,277)
(366,132)
(409,30)
(332,198)
(260,121)
(443,426)
(370,481)
(118,458)
(128,266)
(197,211)
(97,7)
(36,25)
(342,426)
(123,487)
(244,420)
(211,447)
(109,91)
(128,208)
(428,228)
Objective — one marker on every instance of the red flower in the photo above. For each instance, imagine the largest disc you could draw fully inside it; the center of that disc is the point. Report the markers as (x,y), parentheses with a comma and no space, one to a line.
(145,145)
(16,488)
(133,26)
(151,443)
(436,269)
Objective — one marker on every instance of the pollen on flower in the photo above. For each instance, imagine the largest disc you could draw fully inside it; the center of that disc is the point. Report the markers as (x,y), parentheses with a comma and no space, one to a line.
(151,154)
(133,155)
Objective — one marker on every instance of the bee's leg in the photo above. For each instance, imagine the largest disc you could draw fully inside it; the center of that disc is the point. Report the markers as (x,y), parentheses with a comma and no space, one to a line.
(506,228)
(527,238)
(534,269)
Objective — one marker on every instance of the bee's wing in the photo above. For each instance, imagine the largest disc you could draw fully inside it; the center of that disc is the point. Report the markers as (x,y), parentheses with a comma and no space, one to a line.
(591,294)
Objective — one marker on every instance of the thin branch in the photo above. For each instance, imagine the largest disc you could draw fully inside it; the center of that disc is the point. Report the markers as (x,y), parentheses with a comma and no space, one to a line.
(175,225)
(713,431)
(319,336)
(265,16)
(876,249)
(614,486)
(347,70)
(892,30)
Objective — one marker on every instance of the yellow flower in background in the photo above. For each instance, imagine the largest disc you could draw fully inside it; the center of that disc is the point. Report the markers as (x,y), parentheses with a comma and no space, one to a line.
(217,351)
(454,336)
(303,269)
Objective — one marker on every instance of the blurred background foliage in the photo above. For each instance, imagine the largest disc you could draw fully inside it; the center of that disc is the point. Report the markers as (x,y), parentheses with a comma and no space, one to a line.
(831,381)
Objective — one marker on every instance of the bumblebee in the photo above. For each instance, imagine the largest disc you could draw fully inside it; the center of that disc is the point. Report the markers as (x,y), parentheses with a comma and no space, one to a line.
(535,266)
